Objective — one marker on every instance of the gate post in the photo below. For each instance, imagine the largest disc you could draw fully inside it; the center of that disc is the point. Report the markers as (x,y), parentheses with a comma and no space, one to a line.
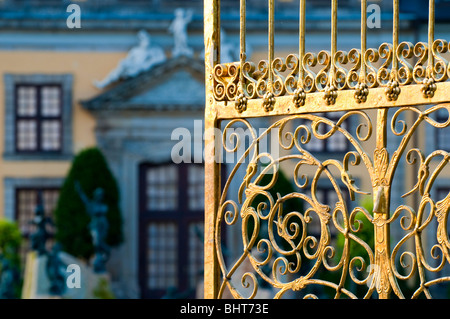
(212,165)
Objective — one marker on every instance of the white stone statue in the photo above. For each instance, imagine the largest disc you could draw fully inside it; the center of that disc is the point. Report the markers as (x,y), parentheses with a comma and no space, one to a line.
(140,58)
(178,28)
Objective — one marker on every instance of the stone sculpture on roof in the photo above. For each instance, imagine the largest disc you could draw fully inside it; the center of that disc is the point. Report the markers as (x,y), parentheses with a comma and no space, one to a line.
(178,28)
(140,58)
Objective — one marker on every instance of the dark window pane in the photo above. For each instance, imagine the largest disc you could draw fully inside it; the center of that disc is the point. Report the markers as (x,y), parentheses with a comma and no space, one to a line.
(26,135)
(162,255)
(50,135)
(196,187)
(27,200)
(26,203)
(50,101)
(162,188)
(26,101)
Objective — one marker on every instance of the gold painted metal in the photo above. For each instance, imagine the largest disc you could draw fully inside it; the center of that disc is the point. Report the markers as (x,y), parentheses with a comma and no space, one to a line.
(269,99)
(376,86)
(295,83)
(339,69)
(241,99)
(331,86)
(212,168)
(301,50)
(361,89)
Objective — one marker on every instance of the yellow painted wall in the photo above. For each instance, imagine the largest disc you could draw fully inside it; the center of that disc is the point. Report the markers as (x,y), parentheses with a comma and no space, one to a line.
(85,68)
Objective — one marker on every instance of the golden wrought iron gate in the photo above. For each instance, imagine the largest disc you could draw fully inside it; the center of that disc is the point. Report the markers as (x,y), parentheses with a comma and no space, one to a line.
(346,248)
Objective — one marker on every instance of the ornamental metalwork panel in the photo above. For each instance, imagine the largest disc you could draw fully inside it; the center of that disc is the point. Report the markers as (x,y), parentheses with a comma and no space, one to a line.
(291,241)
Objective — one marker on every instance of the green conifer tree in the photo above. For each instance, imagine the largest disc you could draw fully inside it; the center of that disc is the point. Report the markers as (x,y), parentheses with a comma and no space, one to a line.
(91,170)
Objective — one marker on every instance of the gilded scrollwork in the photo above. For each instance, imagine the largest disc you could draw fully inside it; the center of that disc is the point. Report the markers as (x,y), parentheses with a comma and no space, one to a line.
(289,247)
(291,81)
(417,222)
(279,243)
(341,72)
(290,239)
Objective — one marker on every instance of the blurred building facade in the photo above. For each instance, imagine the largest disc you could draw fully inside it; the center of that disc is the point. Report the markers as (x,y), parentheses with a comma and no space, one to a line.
(52,109)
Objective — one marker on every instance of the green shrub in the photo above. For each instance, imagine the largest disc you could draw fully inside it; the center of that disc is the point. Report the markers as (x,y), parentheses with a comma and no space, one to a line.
(91,170)
(10,241)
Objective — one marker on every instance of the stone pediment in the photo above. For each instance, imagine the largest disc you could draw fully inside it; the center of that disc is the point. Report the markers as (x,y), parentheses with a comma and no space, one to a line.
(176,84)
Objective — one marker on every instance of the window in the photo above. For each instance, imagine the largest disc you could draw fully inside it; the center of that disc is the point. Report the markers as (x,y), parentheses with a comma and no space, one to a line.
(26,202)
(443,134)
(336,143)
(38,117)
(171,221)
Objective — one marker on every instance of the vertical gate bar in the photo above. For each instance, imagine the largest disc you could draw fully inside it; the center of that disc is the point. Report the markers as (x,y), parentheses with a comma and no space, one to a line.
(362,77)
(334,9)
(381,197)
(212,167)
(271,43)
(242,55)
(242,27)
(301,45)
(431,17)
(395,32)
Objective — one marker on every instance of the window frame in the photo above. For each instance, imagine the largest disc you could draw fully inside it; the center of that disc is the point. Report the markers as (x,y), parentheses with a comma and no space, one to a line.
(36,189)
(12,188)
(65,81)
(11,184)
(38,118)
(181,216)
